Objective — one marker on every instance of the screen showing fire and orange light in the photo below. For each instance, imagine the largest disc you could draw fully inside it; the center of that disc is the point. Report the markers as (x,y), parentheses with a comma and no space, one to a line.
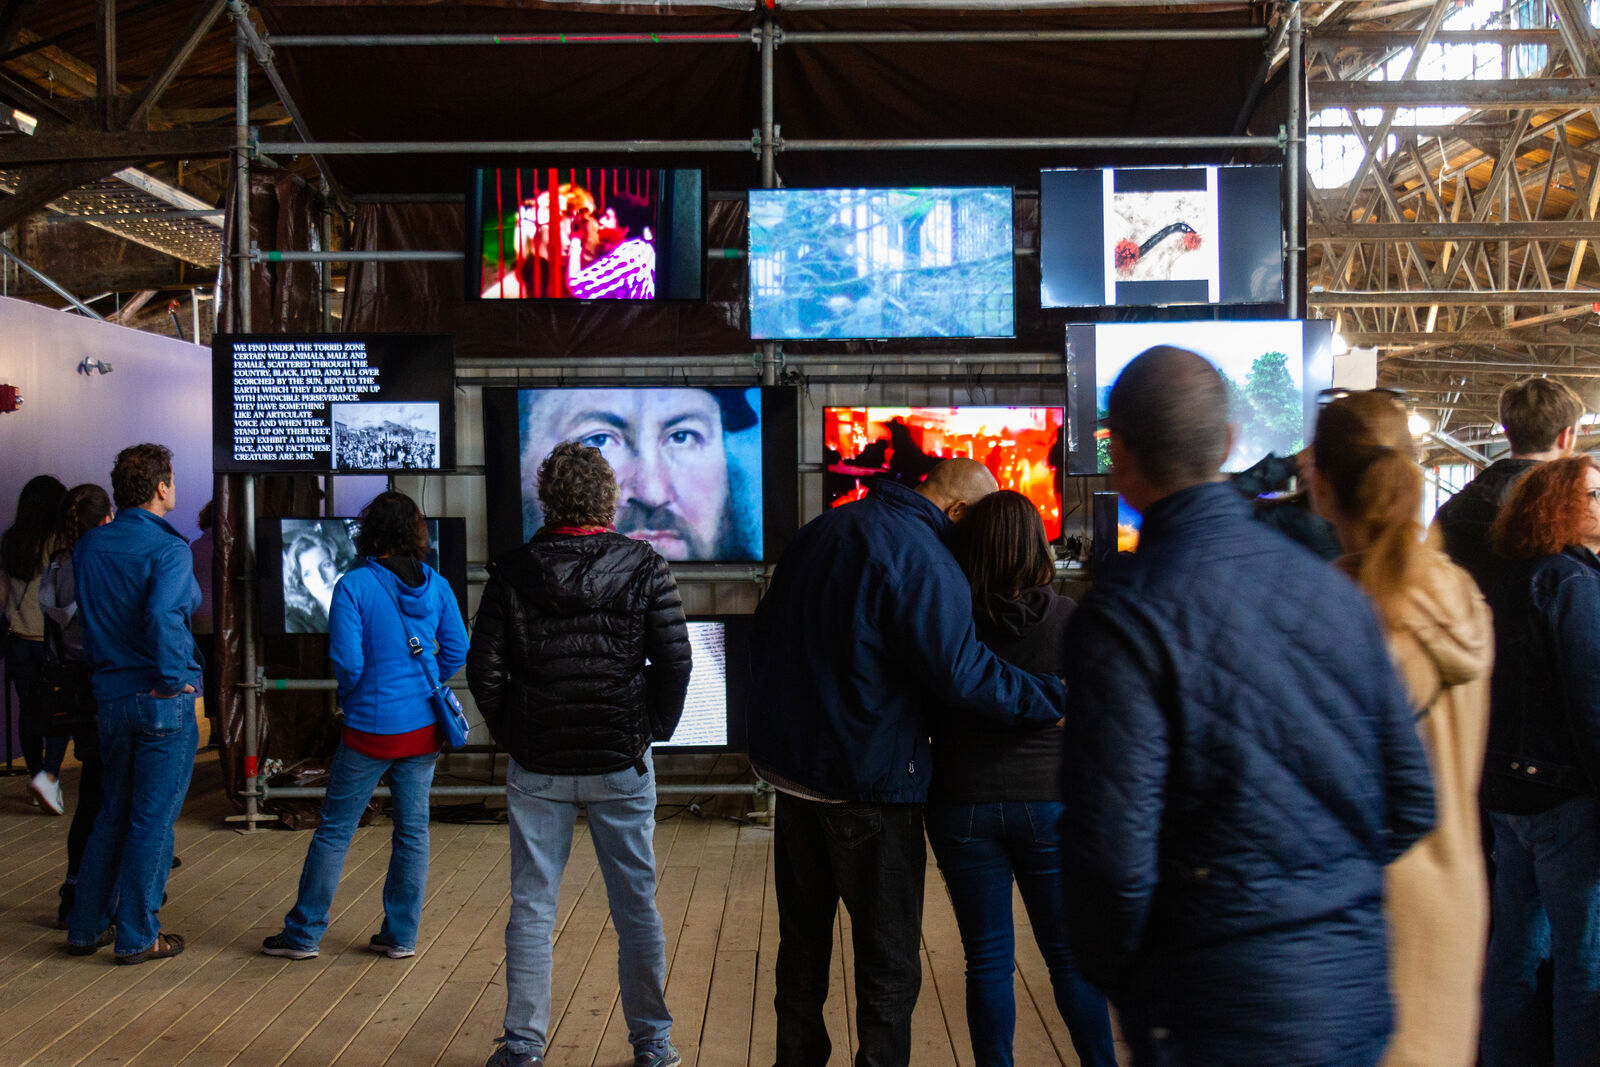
(1022,446)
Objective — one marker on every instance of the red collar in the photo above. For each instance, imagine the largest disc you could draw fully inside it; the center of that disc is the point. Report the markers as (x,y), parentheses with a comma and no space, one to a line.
(578,531)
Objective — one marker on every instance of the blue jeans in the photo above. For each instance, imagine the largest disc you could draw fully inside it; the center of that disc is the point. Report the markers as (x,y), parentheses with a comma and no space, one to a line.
(1546,901)
(24,661)
(351,779)
(980,848)
(621,811)
(147,755)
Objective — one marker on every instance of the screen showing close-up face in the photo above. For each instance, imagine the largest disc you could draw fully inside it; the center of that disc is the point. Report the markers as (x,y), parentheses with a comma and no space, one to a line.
(1262,363)
(586,233)
(688,463)
(871,263)
(315,555)
(1021,446)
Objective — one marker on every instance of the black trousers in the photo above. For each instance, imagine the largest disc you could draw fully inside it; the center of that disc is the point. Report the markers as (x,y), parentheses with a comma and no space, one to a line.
(873,857)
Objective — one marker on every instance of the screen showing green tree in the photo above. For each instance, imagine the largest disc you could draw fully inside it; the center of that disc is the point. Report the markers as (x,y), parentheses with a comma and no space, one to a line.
(1262,363)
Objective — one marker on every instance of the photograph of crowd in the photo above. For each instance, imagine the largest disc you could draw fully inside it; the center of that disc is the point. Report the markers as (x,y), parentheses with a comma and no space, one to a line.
(865,263)
(378,436)
(1021,446)
(574,233)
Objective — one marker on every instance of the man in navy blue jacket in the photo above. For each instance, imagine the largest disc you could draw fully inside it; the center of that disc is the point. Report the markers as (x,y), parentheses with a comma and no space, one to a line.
(1239,763)
(867,624)
(136,593)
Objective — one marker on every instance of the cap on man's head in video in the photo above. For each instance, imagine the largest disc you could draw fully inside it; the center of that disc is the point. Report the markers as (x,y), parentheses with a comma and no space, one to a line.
(1169,409)
(1535,412)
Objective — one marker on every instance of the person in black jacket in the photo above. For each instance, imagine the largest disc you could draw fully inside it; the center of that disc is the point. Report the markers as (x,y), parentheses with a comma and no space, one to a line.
(1541,777)
(1238,763)
(995,803)
(865,629)
(579,659)
(1541,420)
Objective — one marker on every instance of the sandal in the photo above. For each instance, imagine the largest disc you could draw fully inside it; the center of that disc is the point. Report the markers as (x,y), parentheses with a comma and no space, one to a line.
(166,946)
(108,935)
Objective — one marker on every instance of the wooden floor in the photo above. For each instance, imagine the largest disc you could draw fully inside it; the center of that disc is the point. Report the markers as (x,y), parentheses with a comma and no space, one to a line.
(222,1002)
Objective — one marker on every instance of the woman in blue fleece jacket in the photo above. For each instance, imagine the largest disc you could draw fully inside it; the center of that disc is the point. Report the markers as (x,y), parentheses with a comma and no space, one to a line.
(389,725)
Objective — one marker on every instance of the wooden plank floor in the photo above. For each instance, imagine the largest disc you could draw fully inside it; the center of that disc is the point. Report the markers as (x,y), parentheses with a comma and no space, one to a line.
(223,1003)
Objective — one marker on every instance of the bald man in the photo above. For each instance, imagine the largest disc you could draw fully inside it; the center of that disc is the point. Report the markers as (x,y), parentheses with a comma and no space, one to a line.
(866,626)
(1238,763)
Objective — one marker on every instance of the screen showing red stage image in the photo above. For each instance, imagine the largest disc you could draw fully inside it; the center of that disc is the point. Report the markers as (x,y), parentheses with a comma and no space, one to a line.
(586,233)
(1022,446)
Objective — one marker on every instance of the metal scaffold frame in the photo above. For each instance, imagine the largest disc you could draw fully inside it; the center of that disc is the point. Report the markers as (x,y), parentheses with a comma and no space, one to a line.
(767,143)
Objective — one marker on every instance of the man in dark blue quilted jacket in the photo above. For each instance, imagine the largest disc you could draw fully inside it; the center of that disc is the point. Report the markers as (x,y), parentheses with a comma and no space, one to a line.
(1239,763)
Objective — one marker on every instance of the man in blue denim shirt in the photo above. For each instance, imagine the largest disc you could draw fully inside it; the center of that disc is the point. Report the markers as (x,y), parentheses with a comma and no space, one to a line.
(136,592)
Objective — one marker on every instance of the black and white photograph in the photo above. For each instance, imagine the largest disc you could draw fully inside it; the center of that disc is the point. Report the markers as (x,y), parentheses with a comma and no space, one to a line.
(385,436)
(316,554)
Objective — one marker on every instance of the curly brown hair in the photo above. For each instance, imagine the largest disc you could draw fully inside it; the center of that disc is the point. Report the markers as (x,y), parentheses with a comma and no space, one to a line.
(1547,511)
(392,525)
(138,470)
(577,487)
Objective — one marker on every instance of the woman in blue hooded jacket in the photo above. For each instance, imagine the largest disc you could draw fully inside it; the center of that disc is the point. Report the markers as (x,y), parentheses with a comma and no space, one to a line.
(389,726)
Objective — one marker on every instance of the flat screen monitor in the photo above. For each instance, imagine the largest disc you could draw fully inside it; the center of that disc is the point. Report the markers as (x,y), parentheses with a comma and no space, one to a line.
(714,711)
(1274,369)
(341,403)
(1021,446)
(1116,527)
(301,560)
(879,263)
(619,233)
(702,471)
(1145,236)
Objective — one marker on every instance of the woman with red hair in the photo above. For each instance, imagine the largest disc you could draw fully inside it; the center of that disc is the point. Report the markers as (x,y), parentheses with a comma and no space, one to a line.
(1541,782)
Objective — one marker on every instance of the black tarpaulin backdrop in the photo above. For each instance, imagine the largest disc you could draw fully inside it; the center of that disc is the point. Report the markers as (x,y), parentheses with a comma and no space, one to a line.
(678,91)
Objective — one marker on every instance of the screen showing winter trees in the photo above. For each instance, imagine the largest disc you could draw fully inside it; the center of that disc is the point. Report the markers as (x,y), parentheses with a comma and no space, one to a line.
(878,263)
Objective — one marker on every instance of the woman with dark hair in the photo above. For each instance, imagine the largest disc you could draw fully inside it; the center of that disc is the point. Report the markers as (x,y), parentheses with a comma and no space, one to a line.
(1365,481)
(994,804)
(313,562)
(84,507)
(1541,778)
(25,549)
(394,633)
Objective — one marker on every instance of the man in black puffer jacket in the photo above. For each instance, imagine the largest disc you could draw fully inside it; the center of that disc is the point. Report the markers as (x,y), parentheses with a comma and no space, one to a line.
(558,668)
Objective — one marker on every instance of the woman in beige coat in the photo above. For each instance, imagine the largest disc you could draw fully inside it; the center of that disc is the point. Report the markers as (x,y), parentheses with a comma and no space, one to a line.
(1367,483)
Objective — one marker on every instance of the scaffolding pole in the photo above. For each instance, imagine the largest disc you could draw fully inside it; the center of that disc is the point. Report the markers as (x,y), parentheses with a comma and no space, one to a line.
(823,37)
(49,283)
(1294,138)
(641,147)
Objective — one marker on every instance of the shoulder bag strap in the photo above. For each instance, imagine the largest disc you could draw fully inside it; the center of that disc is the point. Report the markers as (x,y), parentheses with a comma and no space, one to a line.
(413,645)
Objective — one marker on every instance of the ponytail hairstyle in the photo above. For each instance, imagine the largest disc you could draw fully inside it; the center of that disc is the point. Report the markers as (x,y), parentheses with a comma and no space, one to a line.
(82,509)
(1364,452)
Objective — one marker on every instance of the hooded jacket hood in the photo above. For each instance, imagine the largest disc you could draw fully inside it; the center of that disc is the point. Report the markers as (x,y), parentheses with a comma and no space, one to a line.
(1446,620)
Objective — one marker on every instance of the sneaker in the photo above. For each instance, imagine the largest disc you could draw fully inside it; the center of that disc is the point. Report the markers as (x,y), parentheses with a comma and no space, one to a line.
(665,1056)
(278,945)
(504,1057)
(47,793)
(383,948)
